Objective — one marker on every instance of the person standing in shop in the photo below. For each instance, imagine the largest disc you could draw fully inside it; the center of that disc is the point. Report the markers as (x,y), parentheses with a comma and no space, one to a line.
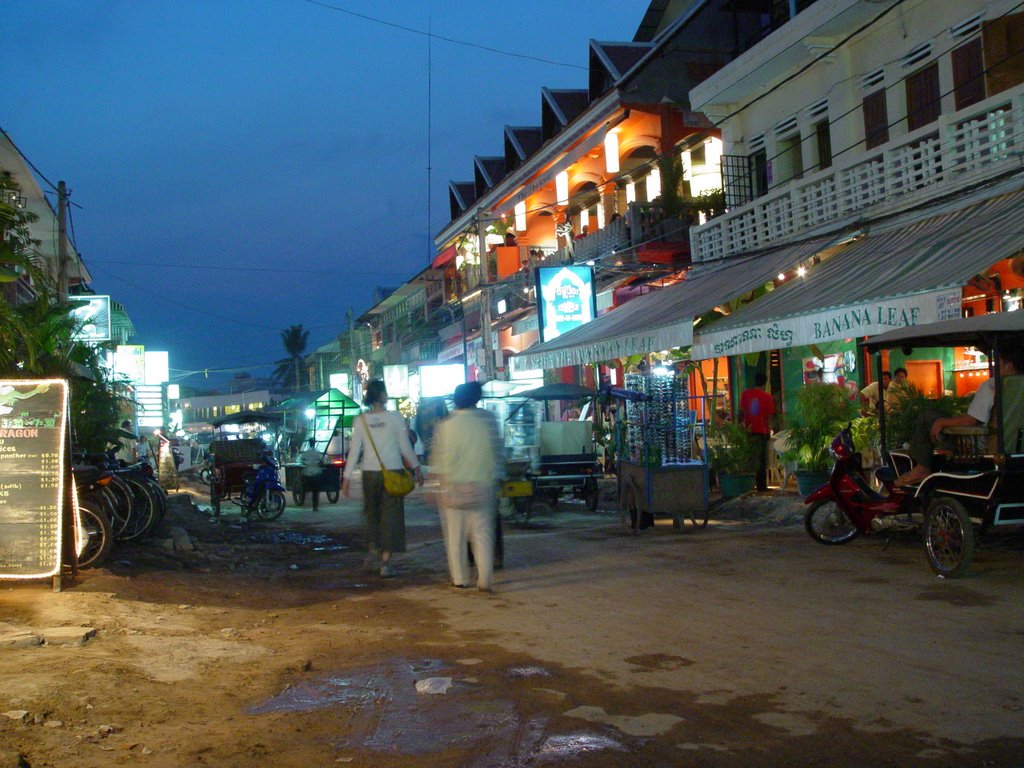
(756,410)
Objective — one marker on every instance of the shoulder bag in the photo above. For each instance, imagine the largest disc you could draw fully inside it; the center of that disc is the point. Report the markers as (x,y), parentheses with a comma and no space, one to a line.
(397,482)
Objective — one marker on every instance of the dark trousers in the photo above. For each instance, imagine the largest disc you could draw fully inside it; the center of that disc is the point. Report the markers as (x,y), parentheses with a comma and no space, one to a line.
(311,484)
(761,477)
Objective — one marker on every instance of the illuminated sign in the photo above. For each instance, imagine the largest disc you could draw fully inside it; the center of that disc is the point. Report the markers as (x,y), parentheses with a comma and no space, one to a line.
(565,299)
(441,380)
(130,362)
(341,382)
(33,417)
(396,379)
(92,318)
(156,368)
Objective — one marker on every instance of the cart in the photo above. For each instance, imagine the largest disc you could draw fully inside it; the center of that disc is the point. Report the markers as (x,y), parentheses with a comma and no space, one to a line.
(329,415)
(237,445)
(661,470)
(562,455)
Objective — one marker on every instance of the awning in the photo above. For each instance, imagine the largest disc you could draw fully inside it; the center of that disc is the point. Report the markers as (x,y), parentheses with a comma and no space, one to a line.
(664,319)
(908,271)
(443,257)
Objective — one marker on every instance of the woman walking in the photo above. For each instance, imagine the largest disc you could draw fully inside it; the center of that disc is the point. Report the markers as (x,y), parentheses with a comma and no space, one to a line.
(380,440)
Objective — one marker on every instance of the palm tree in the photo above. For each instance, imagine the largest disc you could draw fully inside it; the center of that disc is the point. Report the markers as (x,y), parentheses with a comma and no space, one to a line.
(294,340)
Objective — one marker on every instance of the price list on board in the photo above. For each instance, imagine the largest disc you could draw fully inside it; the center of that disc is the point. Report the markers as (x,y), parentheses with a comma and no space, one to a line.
(32,415)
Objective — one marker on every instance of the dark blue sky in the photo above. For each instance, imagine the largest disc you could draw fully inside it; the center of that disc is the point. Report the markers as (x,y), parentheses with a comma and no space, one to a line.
(205,141)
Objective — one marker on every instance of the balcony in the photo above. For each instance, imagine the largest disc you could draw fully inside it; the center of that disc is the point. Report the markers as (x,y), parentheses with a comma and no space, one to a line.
(958,151)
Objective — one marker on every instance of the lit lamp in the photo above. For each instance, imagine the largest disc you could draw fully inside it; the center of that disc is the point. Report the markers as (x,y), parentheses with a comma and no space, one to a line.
(585,218)
(631,192)
(611,152)
(520,214)
(653,184)
(562,188)
(310,415)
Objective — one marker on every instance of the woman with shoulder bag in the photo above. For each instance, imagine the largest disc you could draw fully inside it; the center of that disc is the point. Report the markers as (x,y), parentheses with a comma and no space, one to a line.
(380,441)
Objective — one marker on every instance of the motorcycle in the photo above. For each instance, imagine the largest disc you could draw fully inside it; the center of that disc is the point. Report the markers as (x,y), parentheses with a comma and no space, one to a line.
(847,506)
(262,491)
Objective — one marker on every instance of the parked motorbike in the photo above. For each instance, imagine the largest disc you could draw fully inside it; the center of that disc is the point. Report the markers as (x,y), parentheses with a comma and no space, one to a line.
(262,492)
(847,505)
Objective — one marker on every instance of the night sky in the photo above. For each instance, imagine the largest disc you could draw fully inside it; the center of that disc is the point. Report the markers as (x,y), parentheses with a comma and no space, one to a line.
(242,166)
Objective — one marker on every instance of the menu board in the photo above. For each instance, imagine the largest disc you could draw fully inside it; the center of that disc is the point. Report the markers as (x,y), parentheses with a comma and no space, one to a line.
(33,415)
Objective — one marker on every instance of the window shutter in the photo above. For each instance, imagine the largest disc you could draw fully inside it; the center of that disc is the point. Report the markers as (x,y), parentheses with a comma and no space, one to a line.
(876,119)
(1003,40)
(923,98)
(968,74)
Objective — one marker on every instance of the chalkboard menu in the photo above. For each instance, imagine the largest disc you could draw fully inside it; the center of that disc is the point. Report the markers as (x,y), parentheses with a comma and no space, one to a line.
(33,415)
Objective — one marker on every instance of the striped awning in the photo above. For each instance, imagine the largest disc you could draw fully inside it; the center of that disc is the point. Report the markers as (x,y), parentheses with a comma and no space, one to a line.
(908,271)
(664,319)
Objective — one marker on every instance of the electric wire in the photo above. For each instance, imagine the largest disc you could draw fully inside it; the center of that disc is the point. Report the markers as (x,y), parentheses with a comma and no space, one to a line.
(432,36)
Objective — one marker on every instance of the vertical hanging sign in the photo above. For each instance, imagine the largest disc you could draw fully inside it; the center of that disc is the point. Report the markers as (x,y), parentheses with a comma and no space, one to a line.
(33,419)
(565,299)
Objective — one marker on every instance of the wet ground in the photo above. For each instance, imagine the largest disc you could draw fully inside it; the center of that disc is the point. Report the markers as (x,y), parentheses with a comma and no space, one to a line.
(742,645)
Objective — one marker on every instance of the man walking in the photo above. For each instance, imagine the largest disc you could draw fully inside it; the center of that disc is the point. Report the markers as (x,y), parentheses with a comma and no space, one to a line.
(468,461)
(311,472)
(756,410)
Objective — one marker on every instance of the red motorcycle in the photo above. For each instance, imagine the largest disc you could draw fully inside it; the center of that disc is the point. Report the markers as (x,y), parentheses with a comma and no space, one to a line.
(847,505)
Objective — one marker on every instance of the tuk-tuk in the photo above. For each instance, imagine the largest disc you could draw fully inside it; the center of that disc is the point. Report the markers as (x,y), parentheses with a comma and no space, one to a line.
(562,454)
(239,443)
(978,482)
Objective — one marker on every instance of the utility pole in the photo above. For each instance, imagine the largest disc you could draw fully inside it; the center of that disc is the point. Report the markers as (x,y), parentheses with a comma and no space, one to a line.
(487,370)
(62,244)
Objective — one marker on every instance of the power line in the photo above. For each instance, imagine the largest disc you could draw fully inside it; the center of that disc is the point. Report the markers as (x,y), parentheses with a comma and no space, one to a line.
(288,270)
(432,36)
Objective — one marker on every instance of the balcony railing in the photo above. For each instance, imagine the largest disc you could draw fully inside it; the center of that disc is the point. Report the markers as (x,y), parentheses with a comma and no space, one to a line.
(963,148)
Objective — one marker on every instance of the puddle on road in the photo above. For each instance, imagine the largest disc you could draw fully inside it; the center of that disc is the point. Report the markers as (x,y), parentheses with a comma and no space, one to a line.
(576,744)
(387,715)
(316,540)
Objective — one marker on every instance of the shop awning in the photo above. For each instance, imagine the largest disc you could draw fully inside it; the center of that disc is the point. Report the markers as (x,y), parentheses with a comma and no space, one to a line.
(443,257)
(908,271)
(664,319)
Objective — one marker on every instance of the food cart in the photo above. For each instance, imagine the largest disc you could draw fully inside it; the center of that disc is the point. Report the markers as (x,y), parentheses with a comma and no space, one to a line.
(330,414)
(661,449)
(549,457)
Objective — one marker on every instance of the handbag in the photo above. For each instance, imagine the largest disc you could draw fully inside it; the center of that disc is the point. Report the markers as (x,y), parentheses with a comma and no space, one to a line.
(397,482)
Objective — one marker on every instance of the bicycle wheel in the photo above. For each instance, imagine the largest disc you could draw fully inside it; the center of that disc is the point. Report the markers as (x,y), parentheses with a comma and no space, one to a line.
(144,510)
(95,533)
(123,501)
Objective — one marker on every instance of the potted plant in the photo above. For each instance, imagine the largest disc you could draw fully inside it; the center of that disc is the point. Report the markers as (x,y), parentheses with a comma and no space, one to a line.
(734,455)
(819,412)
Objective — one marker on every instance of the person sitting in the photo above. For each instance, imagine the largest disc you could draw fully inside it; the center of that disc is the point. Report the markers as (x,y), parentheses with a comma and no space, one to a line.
(979,412)
(870,394)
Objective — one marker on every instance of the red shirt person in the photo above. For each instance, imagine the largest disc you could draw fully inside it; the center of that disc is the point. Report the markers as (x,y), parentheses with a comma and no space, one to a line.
(756,410)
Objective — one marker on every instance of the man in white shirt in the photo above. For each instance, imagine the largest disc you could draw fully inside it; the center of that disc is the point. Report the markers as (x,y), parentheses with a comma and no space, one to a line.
(978,413)
(468,459)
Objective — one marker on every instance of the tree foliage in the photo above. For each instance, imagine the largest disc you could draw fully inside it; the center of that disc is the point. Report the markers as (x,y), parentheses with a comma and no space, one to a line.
(289,369)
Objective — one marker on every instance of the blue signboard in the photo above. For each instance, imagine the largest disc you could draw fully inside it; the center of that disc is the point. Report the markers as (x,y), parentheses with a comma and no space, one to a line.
(565,299)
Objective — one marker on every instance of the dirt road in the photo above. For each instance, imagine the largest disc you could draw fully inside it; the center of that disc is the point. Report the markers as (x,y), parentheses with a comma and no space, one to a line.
(743,644)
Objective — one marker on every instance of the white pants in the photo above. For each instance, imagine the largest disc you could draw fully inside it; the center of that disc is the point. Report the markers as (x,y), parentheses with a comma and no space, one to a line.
(467,515)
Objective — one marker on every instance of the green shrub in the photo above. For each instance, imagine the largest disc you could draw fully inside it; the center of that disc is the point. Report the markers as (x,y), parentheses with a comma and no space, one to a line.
(734,450)
(819,412)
